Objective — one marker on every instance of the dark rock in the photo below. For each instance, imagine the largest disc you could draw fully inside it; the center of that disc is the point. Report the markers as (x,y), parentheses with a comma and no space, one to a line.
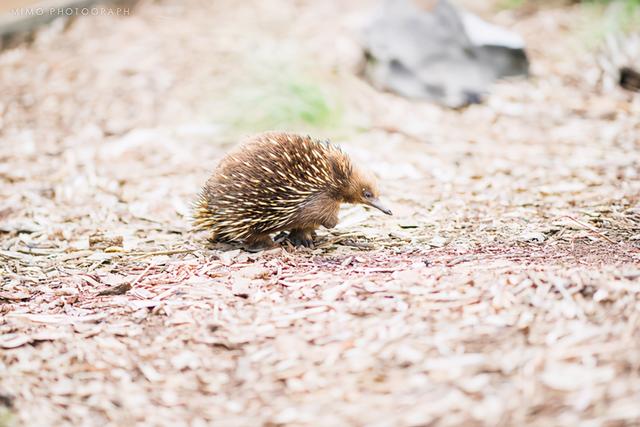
(439,53)
(630,79)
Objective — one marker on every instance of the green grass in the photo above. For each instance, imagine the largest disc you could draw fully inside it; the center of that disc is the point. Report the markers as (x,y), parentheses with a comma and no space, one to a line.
(285,100)
(598,18)
(6,417)
(621,15)
(511,4)
(601,18)
(629,7)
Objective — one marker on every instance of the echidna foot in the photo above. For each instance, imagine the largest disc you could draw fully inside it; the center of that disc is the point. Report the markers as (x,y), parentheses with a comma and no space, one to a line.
(259,243)
(301,237)
(280,237)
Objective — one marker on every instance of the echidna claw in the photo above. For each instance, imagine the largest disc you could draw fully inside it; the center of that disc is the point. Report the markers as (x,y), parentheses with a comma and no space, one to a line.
(301,238)
(280,237)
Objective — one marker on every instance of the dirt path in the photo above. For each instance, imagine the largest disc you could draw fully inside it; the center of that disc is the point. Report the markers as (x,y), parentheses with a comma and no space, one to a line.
(504,291)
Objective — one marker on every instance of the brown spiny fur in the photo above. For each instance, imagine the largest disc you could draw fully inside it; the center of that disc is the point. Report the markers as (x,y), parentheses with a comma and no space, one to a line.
(276,182)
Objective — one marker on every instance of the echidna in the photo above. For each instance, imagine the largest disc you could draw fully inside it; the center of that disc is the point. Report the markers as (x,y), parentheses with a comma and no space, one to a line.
(281,182)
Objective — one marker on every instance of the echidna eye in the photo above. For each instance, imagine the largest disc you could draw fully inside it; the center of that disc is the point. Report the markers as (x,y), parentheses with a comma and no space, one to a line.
(367,194)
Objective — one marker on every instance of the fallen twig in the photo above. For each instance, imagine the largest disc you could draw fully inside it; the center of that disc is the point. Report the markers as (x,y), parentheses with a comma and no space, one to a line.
(125,287)
(141,255)
(591,228)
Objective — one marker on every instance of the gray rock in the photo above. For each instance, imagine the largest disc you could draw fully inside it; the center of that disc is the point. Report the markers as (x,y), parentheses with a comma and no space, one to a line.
(438,53)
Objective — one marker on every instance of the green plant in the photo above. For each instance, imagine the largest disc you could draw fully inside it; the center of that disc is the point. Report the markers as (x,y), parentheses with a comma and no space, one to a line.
(6,417)
(285,100)
(511,4)
(601,18)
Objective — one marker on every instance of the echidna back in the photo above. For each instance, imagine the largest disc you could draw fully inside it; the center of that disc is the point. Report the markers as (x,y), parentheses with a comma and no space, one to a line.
(261,187)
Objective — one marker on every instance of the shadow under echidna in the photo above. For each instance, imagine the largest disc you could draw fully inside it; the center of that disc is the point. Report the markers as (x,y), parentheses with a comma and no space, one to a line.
(279,182)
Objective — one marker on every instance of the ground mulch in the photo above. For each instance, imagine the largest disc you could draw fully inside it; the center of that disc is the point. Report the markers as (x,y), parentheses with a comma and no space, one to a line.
(503,291)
